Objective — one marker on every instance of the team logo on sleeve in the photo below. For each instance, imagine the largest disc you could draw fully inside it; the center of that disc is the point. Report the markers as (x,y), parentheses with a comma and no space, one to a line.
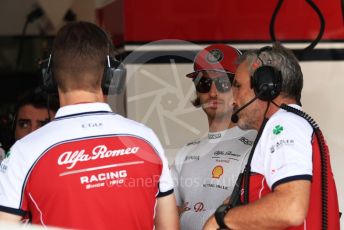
(281,143)
(217,171)
(277,130)
(4,162)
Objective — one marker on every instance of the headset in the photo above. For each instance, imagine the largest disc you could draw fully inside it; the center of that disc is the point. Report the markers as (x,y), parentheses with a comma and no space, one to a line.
(114,76)
(266,80)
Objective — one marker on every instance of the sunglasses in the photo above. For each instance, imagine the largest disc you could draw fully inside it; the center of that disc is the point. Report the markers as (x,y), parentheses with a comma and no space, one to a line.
(222,83)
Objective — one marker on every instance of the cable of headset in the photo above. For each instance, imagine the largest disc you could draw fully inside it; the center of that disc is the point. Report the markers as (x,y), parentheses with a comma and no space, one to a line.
(323,157)
(247,170)
(32,16)
(244,178)
(318,12)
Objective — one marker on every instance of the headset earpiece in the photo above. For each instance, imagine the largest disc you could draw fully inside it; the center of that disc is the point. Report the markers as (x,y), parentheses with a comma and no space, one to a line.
(49,84)
(114,76)
(266,80)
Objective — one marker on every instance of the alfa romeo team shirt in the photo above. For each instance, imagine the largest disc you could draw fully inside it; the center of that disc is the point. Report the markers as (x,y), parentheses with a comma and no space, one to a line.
(87,169)
(205,172)
(288,150)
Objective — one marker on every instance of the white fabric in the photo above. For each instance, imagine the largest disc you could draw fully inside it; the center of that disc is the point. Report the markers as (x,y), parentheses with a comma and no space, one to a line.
(280,152)
(205,172)
(26,152)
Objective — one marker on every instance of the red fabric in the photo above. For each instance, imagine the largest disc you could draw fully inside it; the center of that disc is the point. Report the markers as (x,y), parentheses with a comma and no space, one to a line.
(259,188)
(56,189)
(314,215)
(221,20)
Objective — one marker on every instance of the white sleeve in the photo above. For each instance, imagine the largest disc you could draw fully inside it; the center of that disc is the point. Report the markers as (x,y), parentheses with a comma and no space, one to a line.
(289,153)
(175,171)
(175,176)
(12,177)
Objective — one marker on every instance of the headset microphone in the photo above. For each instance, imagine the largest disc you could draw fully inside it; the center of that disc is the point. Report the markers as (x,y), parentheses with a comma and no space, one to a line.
(262,91)
(235,117)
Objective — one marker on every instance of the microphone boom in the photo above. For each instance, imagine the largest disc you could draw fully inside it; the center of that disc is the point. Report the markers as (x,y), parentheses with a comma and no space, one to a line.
(235,117)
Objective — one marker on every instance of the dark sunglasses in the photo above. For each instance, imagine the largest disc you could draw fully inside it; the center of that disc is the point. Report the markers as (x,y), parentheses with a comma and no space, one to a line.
(222,83)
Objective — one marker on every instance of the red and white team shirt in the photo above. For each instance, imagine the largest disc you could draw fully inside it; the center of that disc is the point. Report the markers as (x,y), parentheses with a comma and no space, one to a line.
(288,150)
(87,169)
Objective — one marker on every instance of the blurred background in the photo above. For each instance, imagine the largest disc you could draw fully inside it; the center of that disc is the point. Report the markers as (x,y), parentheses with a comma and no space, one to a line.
(157,40)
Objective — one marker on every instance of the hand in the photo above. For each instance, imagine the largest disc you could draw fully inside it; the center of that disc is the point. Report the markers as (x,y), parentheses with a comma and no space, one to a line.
(211,224)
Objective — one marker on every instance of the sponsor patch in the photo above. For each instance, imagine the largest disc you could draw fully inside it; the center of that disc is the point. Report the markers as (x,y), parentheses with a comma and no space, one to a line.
(215,186)
(217,171)
(225,153)
(277,130)
(246,141)
(281,143)
(4,165)
(191,158)
(193,143)
(214,136)
(71,158)
(102,179)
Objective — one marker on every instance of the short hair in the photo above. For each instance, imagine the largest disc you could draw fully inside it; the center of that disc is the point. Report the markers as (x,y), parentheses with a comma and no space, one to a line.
(282,59)
(196,102)
(79,53)
(39,99)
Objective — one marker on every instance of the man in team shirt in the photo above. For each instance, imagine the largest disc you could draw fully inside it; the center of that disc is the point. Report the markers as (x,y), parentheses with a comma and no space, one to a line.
(289,184)
(89,168)
(205,170)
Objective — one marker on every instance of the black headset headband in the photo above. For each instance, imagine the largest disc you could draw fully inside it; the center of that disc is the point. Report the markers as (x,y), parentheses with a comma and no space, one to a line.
(114,77)
(266,80)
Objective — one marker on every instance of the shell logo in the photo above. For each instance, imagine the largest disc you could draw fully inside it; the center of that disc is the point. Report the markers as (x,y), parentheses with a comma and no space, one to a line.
(217,171)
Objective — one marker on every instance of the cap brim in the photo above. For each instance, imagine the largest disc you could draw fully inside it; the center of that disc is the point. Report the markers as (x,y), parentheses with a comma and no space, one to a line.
(194,74)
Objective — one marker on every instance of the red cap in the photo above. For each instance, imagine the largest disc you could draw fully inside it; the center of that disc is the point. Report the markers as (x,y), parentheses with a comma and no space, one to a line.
(219,57)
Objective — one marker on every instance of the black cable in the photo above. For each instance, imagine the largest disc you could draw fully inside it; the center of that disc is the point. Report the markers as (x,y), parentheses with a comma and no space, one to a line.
(247,170)
(21,43)
(273,20)
(32,16)
(323,158)
(315,8)
(322,25)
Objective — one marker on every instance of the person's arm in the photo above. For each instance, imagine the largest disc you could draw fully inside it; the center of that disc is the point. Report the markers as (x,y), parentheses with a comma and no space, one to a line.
(166,216)
(286,206)
(4,216)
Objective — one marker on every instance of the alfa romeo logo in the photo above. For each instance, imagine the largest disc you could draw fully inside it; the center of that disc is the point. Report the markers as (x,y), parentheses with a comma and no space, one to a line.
(214,56)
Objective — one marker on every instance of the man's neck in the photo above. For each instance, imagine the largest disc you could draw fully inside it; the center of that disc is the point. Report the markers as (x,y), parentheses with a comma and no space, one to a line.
(278,101)
(79,96)
(272,109)
(219,124)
